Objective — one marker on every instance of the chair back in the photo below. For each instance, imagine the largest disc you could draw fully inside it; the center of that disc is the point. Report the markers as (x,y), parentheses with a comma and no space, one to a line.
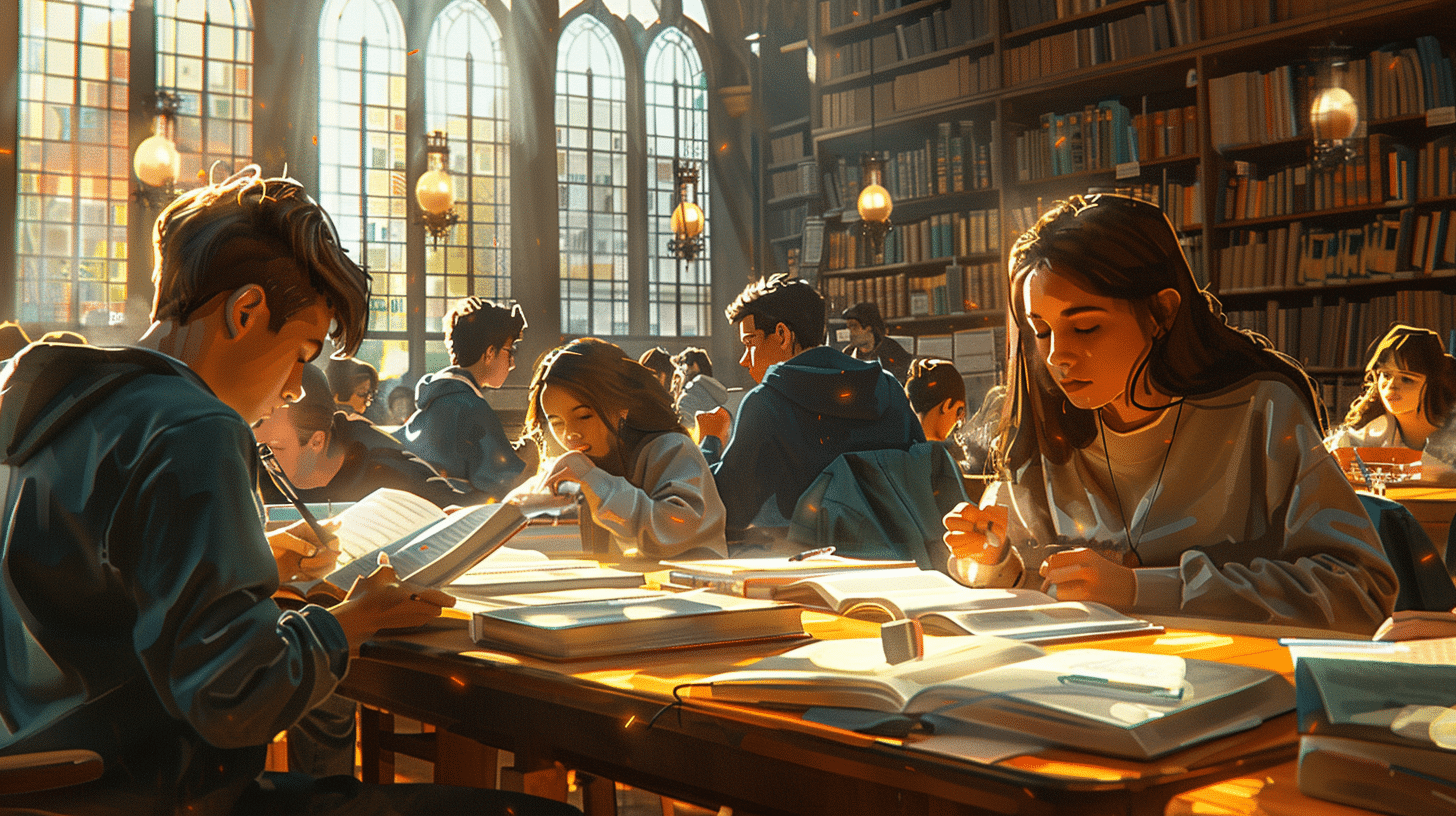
(1424,582)
(882,504)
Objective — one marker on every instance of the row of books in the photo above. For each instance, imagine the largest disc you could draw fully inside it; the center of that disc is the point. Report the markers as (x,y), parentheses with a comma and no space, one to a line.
(1256,107)
(1152,28)
(802,179)
(1096,137)
(1337,333)
(965,75)
(1379,171)
(960,288)
(1404,244)
(949,26)
(787,148)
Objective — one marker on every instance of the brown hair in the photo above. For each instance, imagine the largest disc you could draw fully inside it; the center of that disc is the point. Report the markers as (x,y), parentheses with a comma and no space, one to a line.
(602,376)
(250,230)
(1120,247)
(1407,348)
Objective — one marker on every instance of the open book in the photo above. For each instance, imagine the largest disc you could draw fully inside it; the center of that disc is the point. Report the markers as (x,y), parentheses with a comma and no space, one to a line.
(760,577)
(661,620)
(947,608)
(424,545)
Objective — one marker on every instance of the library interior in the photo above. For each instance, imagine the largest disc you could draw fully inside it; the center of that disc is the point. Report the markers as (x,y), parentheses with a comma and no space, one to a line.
(919,406)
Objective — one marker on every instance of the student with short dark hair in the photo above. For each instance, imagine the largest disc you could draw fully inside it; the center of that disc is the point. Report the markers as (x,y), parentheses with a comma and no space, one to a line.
(812,404)
(138,610)
(869,340)
(453,427)
(331,456)
(353,383)
(1160,460)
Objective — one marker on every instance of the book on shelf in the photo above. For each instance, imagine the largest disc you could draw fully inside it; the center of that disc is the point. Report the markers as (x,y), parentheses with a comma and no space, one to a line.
(1377,727)
(946,607)
(663,620)
(424,545)
(759,577)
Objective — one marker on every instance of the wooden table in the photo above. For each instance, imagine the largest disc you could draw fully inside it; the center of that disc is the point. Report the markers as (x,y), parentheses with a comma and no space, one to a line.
(613,718)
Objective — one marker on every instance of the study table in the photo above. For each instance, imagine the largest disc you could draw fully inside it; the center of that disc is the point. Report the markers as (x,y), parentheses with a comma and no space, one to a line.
(614,718)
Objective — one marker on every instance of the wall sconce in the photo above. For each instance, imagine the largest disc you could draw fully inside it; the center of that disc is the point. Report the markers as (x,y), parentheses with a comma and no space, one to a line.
(156,162)
(874,203)
(435,189)
(1334,115)
(687,217)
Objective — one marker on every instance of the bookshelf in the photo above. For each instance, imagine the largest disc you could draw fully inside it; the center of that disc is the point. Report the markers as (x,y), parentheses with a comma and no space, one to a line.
(1196,105)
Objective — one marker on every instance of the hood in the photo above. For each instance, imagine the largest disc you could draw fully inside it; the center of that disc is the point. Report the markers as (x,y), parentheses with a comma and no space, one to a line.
(452,380)
(718,391)
(829,382)
(47,386)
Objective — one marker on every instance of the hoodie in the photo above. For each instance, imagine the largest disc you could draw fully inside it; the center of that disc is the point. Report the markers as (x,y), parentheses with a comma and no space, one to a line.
(136,583)
(456,430)
(807,411)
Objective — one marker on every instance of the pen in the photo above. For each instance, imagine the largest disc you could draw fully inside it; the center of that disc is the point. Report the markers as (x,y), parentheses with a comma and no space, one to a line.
(806,554)
(280,479)
(1169,692)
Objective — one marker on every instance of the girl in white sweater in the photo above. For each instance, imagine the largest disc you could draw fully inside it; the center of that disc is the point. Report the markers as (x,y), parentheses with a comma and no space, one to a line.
(647,490)
(1158,460)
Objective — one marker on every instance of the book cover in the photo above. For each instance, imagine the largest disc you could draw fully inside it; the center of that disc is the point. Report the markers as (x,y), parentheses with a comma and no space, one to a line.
(619,626)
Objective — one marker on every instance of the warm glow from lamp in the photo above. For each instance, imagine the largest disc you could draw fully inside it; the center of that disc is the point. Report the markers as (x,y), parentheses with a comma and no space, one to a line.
(156,161)
(874,203)
(1333,115)
(687,220)
(435,191)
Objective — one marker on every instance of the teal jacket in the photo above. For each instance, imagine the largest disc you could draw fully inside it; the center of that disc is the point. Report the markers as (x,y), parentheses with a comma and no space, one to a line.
(807,411)
(136,610)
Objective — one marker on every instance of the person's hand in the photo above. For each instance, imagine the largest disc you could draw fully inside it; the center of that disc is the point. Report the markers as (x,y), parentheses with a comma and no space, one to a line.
(1414,624)
(716,422)
(381,600)
(1079,574)
(571,466)
(976,534)
(300,554)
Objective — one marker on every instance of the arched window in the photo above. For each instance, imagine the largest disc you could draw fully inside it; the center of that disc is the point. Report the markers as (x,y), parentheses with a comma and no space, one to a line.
(362,154)
(205,56)
(679,292)
(591,174)
(73,169)
(465,75)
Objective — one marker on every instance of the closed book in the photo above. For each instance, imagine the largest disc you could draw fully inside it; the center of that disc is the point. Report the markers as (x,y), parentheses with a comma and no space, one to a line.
(621,626)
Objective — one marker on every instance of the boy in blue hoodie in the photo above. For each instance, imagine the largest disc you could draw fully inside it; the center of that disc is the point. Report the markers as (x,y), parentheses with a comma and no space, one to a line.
(454,428)
(812,403)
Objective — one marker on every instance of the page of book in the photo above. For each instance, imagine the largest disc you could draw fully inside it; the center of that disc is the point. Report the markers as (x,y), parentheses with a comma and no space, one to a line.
(382,517)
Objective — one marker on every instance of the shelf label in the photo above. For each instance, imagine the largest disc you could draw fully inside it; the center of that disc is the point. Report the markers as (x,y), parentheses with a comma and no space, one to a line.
(1441,116)
(1128,170)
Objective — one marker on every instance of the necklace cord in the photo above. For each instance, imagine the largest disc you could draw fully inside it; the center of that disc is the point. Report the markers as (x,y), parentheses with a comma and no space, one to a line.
(1107,458)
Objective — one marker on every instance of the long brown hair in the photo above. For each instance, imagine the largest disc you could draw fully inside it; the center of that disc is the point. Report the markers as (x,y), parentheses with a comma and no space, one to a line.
(602,376)
(1407,348)
(1120,247)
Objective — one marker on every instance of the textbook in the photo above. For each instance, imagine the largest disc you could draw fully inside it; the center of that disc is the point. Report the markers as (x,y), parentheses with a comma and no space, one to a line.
(431,555)
(945,607)
(854,673)
(662,620)
(1124,704)
(759,577)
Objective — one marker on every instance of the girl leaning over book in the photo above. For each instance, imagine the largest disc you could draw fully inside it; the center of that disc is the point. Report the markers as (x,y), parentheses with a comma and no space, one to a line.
(1407,402)
(1158,460)
(647,491)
